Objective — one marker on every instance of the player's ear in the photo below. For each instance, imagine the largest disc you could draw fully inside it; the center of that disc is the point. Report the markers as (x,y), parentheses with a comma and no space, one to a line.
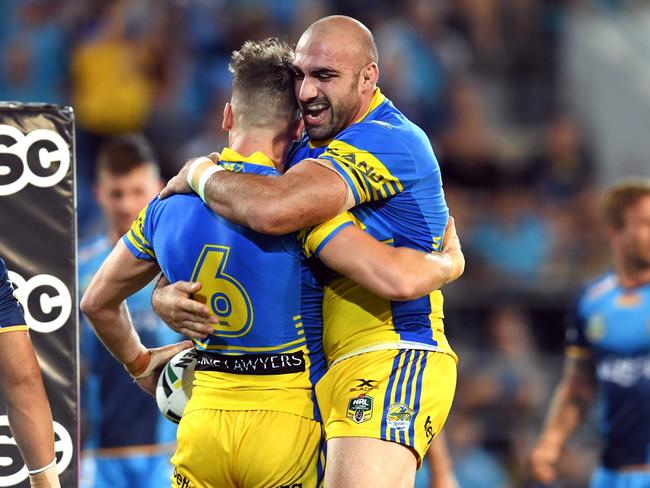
(369,76)
(298,129)
(226,124)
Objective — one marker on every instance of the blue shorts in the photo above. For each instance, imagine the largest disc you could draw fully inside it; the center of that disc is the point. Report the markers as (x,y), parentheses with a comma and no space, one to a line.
(607,478)
(126,472)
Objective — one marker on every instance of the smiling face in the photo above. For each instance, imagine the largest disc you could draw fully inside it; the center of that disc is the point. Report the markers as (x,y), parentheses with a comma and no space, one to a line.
(335,75)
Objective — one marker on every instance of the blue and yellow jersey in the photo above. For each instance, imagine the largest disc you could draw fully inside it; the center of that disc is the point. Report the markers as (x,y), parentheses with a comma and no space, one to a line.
(265,351)
(612,327)
(11,313)
(394,177)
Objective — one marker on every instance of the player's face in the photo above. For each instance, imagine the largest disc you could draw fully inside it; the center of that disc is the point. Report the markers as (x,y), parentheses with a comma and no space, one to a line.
(634,238)
(327,88)
(121,197)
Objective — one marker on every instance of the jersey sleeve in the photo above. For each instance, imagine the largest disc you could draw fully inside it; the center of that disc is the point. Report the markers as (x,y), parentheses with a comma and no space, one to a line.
(371,160)
(576,342)
(314,239)
(11,313)
(139,238)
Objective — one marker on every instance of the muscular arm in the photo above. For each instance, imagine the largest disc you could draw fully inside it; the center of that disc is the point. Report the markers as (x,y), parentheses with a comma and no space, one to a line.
(306,195)
(120,276)
(393,273)
(571,401)
(27,405)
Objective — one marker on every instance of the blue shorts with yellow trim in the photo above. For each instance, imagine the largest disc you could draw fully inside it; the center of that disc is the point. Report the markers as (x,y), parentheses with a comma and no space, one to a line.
(402,396)
(247,449)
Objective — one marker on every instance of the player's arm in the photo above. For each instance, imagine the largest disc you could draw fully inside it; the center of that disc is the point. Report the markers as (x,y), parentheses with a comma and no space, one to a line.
(120,276)
(571,401)
(306,195)
(440,464)
(393,273)
(28,409)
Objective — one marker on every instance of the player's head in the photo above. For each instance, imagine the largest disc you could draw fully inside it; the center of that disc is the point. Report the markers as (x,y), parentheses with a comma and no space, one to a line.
(262,89)
(127,178)
(336,74)
(627,215)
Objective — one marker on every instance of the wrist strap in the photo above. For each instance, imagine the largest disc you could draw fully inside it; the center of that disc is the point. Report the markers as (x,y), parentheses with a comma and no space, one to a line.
(200,171)
(32,472)
(139,367)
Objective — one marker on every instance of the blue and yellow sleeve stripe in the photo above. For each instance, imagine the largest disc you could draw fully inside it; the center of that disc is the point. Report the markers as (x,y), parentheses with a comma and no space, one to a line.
(135,240)
(13,328)
(365,174)
(314,240)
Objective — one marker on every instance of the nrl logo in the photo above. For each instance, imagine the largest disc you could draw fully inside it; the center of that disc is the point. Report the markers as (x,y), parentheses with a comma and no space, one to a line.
(360,409)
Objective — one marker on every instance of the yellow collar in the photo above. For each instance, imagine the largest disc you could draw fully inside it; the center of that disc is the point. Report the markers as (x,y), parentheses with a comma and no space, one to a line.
(377,99)
(258,157)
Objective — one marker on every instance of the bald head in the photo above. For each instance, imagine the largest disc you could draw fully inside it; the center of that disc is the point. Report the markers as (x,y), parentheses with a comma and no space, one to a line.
(340,33)
(336,73)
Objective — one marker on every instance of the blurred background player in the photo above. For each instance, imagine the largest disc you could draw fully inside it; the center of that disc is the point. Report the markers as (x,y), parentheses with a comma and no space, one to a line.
(126,442)
(21,384)
(608,352)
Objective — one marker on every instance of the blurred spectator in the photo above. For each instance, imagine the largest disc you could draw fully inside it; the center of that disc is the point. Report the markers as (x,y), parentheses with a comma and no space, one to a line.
(32,52)
(113,88)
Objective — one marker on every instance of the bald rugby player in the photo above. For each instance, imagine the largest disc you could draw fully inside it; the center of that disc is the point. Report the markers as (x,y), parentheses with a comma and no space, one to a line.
(392,373)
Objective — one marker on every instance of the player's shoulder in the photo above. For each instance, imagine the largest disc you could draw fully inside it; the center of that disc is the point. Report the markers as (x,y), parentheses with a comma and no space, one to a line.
(4,275)
(387,130)
(598,290)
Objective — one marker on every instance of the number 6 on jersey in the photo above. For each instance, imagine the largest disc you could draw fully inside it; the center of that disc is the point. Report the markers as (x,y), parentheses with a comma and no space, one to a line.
(222,292)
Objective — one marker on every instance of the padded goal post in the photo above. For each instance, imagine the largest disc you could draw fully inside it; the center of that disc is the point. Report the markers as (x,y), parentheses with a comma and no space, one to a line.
(38,243)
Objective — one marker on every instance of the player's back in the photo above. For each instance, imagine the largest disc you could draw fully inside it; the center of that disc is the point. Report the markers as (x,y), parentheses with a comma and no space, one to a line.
(11,314)
(389,165)
(266,346)
(613,325)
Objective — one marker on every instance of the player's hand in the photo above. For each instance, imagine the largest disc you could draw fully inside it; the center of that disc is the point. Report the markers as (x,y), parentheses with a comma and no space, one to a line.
(451,248)
(179,184)
(158,357)
(175,305)
(542,461)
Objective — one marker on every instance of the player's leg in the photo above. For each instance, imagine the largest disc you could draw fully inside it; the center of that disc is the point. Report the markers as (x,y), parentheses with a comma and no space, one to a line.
(363,462)
(279,450)
(400,399)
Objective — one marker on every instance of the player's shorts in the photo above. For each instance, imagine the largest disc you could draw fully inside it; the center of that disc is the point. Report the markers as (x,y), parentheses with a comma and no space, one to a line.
(607,478)
(247,449)
(402,396)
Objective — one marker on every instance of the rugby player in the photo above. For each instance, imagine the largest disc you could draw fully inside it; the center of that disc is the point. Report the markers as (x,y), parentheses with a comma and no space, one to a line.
(392,373)
(125,444)
(608,352)
(21,384)
(256,371)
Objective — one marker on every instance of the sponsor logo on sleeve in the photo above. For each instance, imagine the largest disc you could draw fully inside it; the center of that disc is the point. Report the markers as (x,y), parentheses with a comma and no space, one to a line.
(399,417)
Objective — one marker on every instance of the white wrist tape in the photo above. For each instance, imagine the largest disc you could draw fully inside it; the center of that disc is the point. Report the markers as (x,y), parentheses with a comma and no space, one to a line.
(44,468)
(200,171)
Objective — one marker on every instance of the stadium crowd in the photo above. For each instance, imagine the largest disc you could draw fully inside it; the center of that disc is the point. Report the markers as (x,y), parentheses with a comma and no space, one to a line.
(481,78)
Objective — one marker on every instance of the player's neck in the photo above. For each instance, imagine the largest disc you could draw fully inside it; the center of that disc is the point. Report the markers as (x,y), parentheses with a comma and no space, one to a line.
(631,275)
(266,142)
(366,101)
